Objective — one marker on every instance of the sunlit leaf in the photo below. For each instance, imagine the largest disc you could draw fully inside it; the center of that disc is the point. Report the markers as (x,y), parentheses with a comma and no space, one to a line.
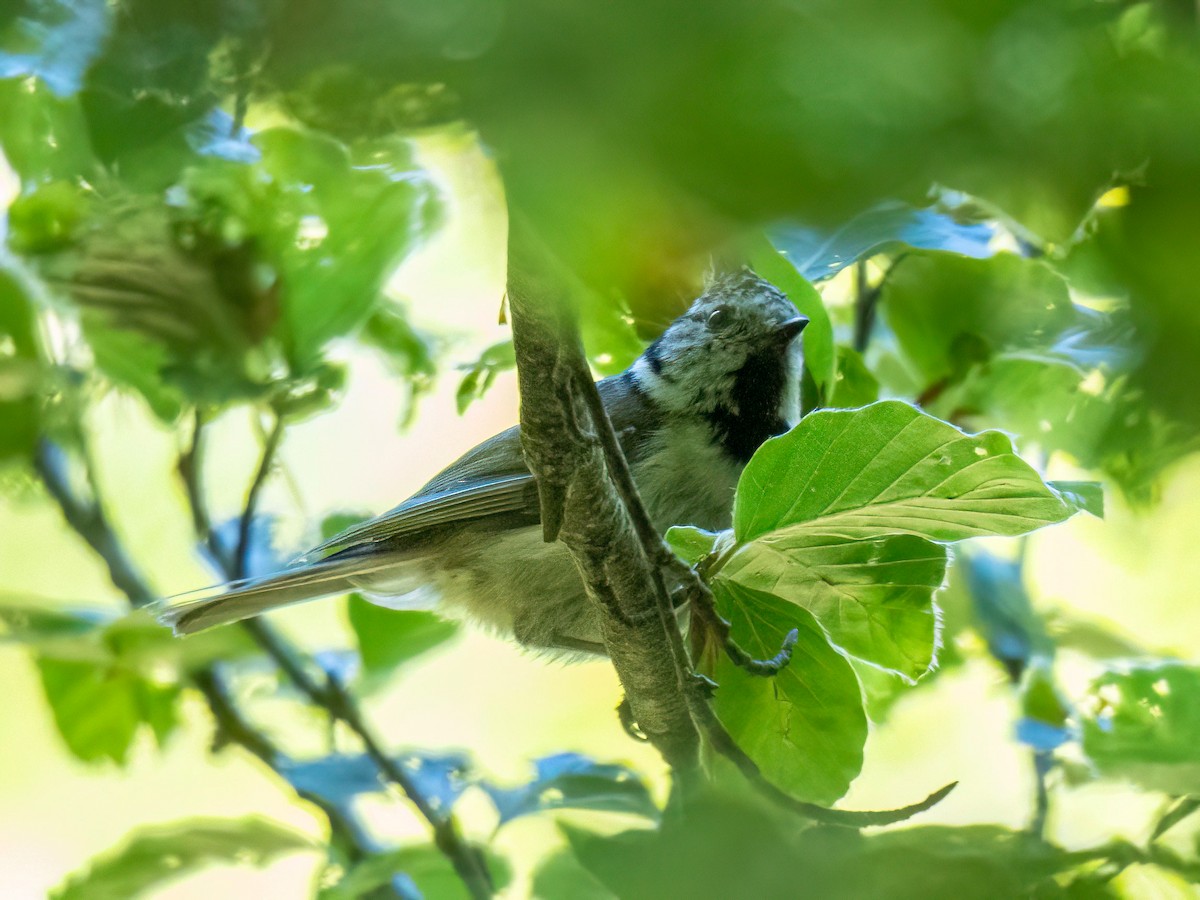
(873,597)
(889,468)
(155,856)
(691,544)
(98,708)
(805,727)
(1142,722)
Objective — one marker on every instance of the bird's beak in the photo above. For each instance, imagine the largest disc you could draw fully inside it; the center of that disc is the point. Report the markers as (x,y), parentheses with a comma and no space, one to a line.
(786,332)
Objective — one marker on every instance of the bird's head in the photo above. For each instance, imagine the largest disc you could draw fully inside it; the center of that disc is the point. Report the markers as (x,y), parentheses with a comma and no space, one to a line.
(732,359)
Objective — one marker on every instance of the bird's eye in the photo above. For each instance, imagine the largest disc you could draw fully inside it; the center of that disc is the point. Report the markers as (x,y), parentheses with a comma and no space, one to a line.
(720,318)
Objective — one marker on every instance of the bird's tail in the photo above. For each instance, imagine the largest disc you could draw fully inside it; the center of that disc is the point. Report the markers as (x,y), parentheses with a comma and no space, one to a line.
(237,600)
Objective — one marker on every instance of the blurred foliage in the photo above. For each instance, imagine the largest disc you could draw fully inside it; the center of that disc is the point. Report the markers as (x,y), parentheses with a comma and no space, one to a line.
(985,208)
(153,856)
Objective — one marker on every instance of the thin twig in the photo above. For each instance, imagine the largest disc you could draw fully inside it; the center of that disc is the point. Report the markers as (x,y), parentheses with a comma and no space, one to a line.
(88,520)
(241,556)
(329,694)
(722,741)
(191,472)
(347,832)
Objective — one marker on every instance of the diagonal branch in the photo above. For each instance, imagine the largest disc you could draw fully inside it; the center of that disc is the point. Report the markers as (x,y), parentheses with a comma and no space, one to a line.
(325,690)
(86,517)
(588,500)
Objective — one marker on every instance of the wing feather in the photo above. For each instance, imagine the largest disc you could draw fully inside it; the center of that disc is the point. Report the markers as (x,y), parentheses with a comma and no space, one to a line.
(489,480)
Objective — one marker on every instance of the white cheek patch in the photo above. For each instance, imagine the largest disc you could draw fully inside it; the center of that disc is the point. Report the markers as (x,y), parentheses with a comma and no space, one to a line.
(789,407)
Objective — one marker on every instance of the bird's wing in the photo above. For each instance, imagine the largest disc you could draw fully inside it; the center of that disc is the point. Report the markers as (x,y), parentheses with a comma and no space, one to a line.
(489,481)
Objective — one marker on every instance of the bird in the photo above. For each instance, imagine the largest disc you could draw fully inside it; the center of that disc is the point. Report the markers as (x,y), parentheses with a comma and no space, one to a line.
(690,412)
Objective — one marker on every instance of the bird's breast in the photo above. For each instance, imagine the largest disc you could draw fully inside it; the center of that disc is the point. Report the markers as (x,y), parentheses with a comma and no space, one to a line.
(685,478)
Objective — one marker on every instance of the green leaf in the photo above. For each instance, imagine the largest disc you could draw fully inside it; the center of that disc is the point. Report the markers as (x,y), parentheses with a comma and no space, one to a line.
(499,357)
(691,544)
(342,231)
(138,363)
(886,226)
(422,869)
(1087,496)
(818,335)
(153,856)
(853,385)
(889,468)
(573,781)
(730,847)
(388,638)
(949,311)
(34,624)
(99,708)
(20,370)
(105,678)
(1142,722)
(805,727)
(43,136)
(562,876)
(873,597)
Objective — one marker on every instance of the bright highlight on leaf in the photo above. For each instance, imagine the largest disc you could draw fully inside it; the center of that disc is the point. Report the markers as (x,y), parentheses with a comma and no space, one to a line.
(805,727)
(839,531)
(887,469)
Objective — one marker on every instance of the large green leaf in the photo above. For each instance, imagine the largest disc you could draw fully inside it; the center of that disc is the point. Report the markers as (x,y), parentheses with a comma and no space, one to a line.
(99,708)
(1142,722)
(153,856)
(43,136)
(873,597)
(107,679)
(886,469)
(728,847)
(806,726)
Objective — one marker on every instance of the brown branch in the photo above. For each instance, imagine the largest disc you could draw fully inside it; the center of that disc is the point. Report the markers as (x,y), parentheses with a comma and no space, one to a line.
(588,500)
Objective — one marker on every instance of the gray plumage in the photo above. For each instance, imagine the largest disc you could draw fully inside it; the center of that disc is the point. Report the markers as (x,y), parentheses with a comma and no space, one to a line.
(690,412)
